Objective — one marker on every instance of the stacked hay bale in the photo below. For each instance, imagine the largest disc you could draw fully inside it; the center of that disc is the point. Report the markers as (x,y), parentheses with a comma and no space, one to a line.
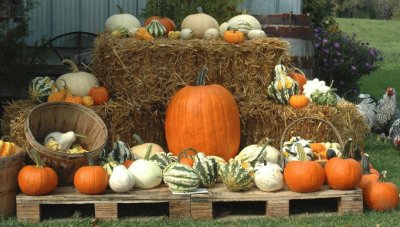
(142,76)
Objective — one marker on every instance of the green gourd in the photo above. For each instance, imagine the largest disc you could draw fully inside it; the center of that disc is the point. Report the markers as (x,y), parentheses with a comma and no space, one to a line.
(282,87)
(40,88)
(163,159)
(156,29)
(206,168)
(180,177)
(237,175)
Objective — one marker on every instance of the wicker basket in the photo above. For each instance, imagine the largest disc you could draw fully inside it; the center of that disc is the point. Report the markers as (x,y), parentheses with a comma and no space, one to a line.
(64,117)
(295,128)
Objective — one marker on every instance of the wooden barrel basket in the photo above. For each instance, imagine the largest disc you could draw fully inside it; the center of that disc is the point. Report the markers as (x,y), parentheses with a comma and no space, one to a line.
(63,117)
(297,30)
(9,168)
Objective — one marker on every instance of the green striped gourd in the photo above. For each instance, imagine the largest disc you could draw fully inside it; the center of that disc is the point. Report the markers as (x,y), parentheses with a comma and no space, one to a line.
(324,98)
(206,168)
(180,177)
(156,29)
(163,159)
(282,87)
(290,153)
(40,88)
(240,25)
(120,152)
(237,175)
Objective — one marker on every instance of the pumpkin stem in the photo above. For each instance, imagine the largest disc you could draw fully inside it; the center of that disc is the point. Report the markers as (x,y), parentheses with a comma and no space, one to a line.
(120,9)
(147,155)
(75,68)
(301,152)
(201,78)
(89,158)
(365,164)
(185,153)
(36,158)
(350,150)
(138,139)
(199,9)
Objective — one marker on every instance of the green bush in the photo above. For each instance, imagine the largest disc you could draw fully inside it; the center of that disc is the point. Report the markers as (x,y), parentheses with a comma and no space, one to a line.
(343,59)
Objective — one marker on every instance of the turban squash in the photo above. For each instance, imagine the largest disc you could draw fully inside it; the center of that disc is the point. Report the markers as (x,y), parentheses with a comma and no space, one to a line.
(203,117)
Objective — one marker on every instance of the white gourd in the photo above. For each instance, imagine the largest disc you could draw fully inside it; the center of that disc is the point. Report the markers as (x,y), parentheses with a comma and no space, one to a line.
(312,85)
(211,33)
(121,180)
(186,34)
(256,34)
(269,177)
(121,19)
(139,151)
(251,20)
(64,140)
(199,23)
(222,28)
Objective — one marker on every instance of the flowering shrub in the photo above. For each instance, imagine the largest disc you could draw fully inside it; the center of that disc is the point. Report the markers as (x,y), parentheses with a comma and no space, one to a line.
(343,59)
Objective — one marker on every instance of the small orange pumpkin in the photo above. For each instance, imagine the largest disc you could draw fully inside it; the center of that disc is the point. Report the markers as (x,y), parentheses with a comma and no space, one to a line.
(298,101)
(317,147)
(91,179)
(234,36)
(99,95)
(367,174)
(186,156)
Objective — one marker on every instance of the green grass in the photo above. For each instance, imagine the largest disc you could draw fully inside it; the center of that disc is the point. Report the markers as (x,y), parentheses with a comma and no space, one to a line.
(380,34)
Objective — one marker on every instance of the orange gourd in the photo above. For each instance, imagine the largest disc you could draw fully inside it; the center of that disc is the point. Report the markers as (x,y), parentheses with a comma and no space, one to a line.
(300,77)
(234,36)
(165,21)
(99,95)
(204,117)
(298,101)
(87,101)
(317,147)
(143,34)
(381,196)
(34,180)
(303,175)
(186,156)
(74,99)
(91,179)
(367,174)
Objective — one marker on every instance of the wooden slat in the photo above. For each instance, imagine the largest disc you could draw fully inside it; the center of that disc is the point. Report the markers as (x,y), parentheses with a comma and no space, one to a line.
(277,208)
(106,210)
(28,212)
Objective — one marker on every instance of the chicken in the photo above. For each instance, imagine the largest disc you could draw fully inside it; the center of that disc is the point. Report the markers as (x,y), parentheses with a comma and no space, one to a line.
(367,108)
(394,134)
(385,111)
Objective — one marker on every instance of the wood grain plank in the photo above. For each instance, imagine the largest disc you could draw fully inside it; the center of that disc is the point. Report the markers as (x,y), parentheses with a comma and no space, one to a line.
(106,211)
(28,212)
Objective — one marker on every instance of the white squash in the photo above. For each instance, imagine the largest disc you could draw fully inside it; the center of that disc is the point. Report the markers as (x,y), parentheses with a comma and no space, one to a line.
(78,82)
(122,19)
(139,151)
(186,34)
(199,23)
(269,177)
(222,28)
(121,179)
(211,33)
(251,20)
(62,140)
(256,34)
(147,174)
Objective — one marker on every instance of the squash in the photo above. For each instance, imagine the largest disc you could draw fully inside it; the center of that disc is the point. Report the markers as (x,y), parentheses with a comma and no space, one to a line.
(186,156)
(298,101)
(163,159)
(199,23)
(165,21)
(142,34)
(35,180)
(64,141)
(303,175)
(121,19)
(121,32)
(240,25)
(328,98)
(186,34)
(211,33)
(259,153)
(87,101)
(40,88)
(191,107)
(222,28)
(139,151)
(206,168)
(290,152)
(174,35)
(299,77)
(156,29)
(91,179)
(99,95)
(121,180)
(237,175)
(256,34)
(79,83)
(7,148)
(73,99)
(234,36)
(247,19)
(268,177)
(181,178)
(120,152)
(147,174)
(282,87)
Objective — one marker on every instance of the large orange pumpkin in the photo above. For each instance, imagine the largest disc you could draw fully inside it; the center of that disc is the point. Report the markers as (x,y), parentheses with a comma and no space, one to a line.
(37,179)
(343,174)
(303,175)
(381,196)
(203,117)
(91,179)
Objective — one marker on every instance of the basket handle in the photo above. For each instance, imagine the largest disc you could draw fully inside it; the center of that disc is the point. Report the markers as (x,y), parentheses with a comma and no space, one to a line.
(340,141)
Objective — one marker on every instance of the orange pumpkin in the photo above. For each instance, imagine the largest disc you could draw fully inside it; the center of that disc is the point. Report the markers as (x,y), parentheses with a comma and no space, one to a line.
(317,147)
(298,101)
(186,156)
(300,77)
(165,21)
(204,117)
(74,99)
(381,196)
(99,95)
(128,163)
(367,174)
(303,175)
(234,36)
(91,179)
(37,179)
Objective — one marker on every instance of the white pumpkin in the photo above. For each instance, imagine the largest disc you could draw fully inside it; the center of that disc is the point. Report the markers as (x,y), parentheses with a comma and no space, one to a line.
(222,28)
(147,174)
(211,33)
(251,20)
(186,34)
(122,19)
(256,34)
(78,82)
(269,177)
(199,23)
(139,151)
(121,179)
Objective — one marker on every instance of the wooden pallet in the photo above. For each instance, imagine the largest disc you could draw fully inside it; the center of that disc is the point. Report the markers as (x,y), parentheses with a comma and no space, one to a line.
(105,205)
(273,204)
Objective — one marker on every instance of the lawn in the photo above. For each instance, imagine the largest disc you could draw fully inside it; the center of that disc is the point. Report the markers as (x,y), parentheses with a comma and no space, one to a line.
(380,34)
